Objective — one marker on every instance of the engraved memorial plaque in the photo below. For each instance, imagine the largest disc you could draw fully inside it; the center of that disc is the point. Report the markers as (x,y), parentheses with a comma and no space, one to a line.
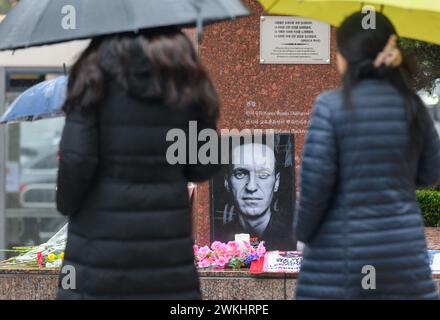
(294,40)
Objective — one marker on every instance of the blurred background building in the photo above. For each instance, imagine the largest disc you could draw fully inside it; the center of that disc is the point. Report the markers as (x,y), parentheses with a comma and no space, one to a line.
(28,150)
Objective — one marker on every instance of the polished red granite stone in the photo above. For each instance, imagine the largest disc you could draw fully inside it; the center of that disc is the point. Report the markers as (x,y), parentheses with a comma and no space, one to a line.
(432,238)
(231,53)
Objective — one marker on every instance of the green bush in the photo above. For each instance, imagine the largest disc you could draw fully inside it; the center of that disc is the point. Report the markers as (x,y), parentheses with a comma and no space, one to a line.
(429,201)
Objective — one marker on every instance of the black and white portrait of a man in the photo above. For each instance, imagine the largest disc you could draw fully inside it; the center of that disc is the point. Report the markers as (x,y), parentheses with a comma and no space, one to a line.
(254,193)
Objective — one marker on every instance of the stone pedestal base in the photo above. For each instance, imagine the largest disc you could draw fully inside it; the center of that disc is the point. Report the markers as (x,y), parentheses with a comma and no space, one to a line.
(41,284)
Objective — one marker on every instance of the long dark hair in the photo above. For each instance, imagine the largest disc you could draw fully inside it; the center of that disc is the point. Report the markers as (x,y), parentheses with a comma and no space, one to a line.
(360,47)
(157,65)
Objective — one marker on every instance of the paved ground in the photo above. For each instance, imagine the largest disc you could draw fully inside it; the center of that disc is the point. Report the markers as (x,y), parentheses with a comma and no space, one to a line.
(433,238)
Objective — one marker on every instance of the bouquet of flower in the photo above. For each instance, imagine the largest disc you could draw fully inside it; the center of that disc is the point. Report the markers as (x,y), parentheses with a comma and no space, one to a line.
(232,254)
(49,254)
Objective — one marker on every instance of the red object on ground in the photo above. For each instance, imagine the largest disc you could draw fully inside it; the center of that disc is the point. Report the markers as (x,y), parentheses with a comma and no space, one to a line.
(40,259)
(257,266)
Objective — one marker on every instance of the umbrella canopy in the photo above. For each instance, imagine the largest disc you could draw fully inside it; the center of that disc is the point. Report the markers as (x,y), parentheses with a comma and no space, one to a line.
(415,19)
(41,101)
(32,23)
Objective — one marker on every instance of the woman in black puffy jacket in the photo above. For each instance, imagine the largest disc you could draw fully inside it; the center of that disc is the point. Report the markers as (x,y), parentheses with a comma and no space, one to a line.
(129,218)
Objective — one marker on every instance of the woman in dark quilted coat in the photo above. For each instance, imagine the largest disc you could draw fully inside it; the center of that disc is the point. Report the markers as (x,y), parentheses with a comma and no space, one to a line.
(129,217)
(369,146)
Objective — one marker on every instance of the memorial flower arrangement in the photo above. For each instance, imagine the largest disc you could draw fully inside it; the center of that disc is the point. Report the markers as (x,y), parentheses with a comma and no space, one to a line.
(233,254)
(48,255)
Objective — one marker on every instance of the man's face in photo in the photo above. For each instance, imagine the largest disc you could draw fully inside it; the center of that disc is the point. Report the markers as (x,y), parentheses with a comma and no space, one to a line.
(252,178)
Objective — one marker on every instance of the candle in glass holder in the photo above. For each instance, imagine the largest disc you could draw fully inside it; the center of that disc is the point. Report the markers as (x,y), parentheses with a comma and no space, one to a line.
(239,238)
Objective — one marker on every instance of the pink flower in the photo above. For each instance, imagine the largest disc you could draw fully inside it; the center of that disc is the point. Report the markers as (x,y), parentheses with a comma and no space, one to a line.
(204,251)
(261,250)
(196,249)
(233,249)
(219,248)
(232,245)
(216,245)
(248,246)
(204,263)
(221,262)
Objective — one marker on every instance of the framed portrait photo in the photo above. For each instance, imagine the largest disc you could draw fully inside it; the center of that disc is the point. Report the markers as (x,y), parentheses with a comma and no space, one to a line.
(254,193)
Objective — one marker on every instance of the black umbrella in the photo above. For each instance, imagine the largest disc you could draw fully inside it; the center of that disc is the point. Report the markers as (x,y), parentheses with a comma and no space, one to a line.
(40,22)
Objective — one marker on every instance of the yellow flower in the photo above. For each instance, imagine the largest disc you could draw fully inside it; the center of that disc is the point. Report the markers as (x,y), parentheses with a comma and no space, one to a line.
(51,257)
(62,255)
